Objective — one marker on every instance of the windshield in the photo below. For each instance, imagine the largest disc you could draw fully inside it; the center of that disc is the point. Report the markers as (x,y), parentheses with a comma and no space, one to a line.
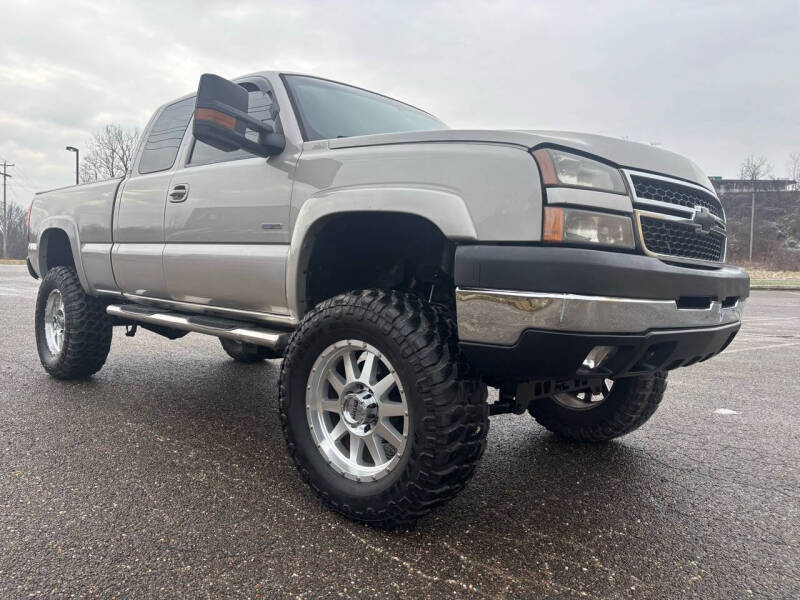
(327,110)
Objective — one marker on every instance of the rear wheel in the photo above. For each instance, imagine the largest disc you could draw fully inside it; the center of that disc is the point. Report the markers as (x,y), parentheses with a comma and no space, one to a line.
(617,408)
(380,416)
(246,353)
(73,331)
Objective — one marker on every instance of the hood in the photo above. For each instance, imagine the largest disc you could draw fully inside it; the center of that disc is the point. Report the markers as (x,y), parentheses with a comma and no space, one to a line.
(623,153)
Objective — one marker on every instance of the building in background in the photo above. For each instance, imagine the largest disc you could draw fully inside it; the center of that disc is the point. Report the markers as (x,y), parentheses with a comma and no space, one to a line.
(740,186)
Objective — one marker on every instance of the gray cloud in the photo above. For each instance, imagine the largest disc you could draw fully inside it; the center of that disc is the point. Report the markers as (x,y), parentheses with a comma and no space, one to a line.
(712,80)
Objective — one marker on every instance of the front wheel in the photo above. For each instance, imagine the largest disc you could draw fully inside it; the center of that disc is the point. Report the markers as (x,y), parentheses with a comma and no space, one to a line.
(380,416)
(620,407)
(73,332)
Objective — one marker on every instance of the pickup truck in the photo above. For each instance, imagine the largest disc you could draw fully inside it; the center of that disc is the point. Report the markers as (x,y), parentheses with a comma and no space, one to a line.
(398,268)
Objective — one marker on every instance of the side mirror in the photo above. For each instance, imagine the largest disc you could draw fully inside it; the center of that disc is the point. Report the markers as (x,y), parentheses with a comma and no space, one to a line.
(221,119)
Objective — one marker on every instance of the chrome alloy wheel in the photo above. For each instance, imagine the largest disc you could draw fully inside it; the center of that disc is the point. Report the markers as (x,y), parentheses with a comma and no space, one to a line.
(586,399)
(357,410)
(55,322)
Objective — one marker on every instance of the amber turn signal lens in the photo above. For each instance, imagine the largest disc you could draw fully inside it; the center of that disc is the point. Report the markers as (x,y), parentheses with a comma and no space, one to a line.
(553,224)
(208,114)
(545,163)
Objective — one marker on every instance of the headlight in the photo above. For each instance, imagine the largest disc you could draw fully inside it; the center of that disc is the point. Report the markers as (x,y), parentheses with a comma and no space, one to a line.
(571,226)
(563,168)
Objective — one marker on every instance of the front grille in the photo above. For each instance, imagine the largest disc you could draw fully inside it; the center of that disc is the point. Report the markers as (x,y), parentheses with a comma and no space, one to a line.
(675,193)
(672,238)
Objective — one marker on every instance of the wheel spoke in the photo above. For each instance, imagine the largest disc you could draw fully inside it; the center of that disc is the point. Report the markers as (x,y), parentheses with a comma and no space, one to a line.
(368,370)
(356,444)
(376,450)
(331,406)
(336,381)
(384,386)
(350,367)
(386,430)
(391,409)
(338,431)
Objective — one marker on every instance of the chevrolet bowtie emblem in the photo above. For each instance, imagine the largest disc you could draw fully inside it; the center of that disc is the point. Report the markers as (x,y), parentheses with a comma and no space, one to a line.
(704,219)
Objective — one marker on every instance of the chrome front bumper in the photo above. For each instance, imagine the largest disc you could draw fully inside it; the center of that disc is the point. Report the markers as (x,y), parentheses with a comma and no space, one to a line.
(500,316)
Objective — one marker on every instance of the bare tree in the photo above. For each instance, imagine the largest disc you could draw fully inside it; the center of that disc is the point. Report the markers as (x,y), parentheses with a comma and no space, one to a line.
(754,169)
(110,153)
(793,166)
(17,241)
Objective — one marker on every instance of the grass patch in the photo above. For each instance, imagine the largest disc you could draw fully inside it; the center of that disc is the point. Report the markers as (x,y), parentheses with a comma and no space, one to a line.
(775,284)
(764,279)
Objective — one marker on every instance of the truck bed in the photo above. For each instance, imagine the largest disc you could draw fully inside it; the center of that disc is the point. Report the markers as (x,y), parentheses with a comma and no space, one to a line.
(85,213)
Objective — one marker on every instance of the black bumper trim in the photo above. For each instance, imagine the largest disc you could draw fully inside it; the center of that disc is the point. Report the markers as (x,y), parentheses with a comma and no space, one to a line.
(553,354)
(592,272)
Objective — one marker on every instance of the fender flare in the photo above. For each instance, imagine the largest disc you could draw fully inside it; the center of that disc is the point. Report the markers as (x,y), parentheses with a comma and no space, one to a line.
(443,208)
(69,227)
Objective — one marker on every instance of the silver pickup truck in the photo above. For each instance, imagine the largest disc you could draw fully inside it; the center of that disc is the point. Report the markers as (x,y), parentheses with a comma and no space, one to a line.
(398,267)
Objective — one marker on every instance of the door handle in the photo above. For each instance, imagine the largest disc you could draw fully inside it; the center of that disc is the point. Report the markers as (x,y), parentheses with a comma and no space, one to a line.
(179,192)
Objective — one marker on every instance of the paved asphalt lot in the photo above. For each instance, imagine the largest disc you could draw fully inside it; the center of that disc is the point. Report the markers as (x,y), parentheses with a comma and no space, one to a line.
(165,475)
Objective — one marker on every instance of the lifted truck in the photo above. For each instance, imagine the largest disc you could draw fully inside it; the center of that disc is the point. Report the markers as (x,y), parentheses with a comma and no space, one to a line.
(398,267)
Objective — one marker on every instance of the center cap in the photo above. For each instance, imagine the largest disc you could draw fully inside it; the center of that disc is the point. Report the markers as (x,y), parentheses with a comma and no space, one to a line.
(359,410)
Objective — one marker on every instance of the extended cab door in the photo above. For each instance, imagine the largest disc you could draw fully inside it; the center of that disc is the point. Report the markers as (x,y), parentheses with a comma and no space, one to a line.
(136,256)
(227,222)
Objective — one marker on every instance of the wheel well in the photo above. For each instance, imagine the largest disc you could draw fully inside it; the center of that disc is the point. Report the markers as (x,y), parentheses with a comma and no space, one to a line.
(380,250)
(56,250)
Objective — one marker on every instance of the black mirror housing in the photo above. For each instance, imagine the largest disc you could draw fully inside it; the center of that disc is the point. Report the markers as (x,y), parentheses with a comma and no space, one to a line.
(221,119)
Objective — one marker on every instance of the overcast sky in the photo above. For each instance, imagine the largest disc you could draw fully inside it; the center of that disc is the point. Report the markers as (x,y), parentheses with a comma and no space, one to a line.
(712,80)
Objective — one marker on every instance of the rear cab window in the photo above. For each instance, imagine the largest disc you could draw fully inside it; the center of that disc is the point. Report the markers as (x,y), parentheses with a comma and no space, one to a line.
(164,138)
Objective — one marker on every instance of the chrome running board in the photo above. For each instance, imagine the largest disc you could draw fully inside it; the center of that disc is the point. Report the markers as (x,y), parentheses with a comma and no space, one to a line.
(216,326)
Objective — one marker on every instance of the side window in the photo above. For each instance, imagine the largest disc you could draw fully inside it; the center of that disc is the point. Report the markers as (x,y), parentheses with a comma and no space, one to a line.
(165,137)
(260,106)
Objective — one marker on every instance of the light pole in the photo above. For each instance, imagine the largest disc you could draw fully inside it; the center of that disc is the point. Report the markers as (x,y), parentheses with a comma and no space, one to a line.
(77,154)
(5,176)
(752,219)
